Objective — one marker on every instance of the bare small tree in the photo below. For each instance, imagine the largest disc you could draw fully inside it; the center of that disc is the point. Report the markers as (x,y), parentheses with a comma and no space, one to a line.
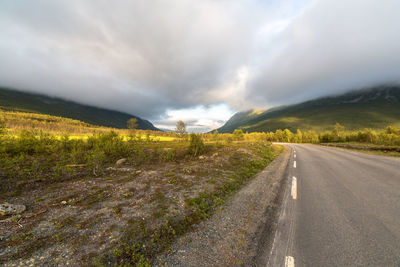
(337,131)
(132,124)
(180,128)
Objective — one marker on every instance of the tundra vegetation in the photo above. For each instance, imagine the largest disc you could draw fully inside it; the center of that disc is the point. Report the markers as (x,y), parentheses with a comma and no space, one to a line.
(102,196)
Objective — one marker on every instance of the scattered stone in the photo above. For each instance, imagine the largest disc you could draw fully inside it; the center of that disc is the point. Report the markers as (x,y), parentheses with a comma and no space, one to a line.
(64,202)
(10,209)
(119,169)
(124,169)
(214,155)
(139,171)
(202,157)
(188,170)
(120,161)
(4,237)
(75,165)
(244,151)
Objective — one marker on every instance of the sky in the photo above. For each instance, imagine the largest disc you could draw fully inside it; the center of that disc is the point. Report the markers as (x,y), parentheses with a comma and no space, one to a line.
(197,61)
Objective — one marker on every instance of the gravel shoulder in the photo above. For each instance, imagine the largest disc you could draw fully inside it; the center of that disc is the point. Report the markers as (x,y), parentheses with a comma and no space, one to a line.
(233,234)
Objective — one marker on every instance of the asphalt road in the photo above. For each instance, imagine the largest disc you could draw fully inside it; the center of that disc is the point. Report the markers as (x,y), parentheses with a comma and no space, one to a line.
(343,209)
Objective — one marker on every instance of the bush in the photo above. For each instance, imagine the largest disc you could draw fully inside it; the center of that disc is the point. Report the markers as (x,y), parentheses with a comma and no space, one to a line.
(392,130)
(111,144)
(366,136)
(196,145)
(238,134)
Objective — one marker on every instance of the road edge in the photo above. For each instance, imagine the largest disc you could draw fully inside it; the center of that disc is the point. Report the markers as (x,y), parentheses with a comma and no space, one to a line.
(231,235)
(265,234)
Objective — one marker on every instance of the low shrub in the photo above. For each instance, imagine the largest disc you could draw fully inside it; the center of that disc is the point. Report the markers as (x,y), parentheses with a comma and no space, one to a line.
(196,146)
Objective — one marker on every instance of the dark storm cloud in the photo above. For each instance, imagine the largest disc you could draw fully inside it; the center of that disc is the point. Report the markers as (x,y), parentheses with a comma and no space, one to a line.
(136,56)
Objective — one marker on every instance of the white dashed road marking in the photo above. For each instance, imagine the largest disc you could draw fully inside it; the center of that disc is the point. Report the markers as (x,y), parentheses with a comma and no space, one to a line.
(294,164)
(289,261)
(294,188)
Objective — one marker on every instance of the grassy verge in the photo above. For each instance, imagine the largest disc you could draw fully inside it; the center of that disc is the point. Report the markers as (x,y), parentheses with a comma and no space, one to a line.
(142,242)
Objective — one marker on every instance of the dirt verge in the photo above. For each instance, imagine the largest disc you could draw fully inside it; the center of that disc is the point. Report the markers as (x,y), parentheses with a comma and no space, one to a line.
(130,213)
(230,237)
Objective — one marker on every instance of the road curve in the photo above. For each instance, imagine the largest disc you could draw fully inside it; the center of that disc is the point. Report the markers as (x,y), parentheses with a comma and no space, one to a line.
(342,209)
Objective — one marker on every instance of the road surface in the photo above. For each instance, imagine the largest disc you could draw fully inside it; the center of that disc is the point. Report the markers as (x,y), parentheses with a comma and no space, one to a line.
(341,208)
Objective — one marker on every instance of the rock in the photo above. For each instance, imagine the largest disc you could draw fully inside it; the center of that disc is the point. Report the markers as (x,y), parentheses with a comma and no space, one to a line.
(202,157)
(188,170)
(124,169)
(64,202)
(4,237)
(244,151)
(10,209)
(214,155)
(119,169)
(120,161)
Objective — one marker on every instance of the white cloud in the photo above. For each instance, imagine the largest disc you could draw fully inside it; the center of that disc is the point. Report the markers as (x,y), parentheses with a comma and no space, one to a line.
(141,57)
(154,58)
(198,119)
(332,47)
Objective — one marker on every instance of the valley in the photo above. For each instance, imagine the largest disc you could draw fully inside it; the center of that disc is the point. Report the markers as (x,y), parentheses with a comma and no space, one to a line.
(199,133)
(95,195)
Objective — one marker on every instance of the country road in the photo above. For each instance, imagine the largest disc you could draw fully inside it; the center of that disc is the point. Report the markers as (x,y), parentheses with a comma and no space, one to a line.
(341,208)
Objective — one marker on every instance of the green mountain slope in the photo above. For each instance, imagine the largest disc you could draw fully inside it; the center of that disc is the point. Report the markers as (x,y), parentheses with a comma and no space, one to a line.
(373,108)
(29,102)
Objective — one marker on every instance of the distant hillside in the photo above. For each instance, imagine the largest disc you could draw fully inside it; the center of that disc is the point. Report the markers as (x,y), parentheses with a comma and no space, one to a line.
(368,108)
(29,102)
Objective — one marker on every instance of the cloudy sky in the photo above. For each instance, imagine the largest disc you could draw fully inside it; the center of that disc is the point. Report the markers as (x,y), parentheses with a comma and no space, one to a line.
(199,61)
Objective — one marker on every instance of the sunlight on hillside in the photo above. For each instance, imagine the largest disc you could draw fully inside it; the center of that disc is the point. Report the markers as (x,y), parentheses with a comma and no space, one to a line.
(16,122)
(256,112)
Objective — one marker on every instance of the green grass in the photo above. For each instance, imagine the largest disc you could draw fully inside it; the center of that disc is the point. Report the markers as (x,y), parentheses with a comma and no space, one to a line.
(34,159)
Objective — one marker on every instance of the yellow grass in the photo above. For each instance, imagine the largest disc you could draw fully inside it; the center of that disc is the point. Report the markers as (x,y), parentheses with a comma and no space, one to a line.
(16,122)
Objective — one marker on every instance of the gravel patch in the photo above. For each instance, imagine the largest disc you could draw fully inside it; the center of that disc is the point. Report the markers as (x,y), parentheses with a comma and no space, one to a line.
(231,236)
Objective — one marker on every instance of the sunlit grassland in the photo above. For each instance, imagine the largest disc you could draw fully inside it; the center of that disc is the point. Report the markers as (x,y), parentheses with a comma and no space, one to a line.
(40,147)
(201,175)
(38,152)
(124,136)
(16,122)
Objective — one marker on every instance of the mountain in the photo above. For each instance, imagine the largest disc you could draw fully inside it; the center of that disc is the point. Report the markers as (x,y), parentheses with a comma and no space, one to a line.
(373,108)
(36,103)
